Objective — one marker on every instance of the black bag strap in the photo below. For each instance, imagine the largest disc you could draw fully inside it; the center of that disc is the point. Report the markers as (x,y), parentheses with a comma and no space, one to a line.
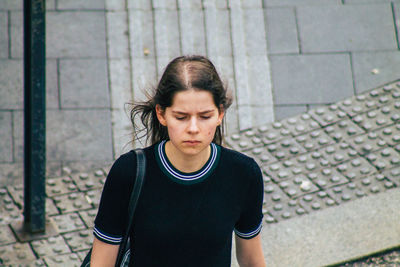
(140,173)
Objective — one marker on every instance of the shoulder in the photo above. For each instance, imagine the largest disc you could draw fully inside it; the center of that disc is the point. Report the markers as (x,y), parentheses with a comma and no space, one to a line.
(238,159)
(240,165)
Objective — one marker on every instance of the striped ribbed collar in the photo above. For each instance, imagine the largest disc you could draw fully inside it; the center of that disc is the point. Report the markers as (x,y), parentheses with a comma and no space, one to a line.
(182,177)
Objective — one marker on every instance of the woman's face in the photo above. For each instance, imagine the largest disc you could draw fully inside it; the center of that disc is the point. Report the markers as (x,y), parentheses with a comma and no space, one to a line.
(191,120)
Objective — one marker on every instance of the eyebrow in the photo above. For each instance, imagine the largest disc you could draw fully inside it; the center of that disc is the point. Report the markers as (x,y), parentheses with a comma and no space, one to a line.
(184,113)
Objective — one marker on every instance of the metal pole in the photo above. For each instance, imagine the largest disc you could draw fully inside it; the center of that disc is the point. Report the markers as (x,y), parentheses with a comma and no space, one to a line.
(34,116)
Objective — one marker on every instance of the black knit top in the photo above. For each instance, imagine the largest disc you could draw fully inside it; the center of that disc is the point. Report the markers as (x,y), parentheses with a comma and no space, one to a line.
(183,219)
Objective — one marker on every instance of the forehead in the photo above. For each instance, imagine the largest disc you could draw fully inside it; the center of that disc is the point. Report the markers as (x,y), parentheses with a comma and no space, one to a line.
(193,100)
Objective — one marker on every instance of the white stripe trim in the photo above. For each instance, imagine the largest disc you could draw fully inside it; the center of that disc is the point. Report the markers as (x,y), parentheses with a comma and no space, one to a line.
(187,177)
(106,237)
(252,233)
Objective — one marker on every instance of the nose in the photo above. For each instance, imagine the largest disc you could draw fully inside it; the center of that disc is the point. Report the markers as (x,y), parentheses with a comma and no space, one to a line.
(193,126)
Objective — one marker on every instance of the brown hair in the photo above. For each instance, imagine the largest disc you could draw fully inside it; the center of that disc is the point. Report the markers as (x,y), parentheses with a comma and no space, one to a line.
(182,73)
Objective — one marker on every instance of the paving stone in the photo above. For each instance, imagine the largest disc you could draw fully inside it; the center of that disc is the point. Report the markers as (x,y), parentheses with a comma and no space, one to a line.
(365,144)
(346,192)
(88,217)
(193,5)
(143,76)
(393,175)
(384,159)
(375,184)
(140,4)
(192,41)
(338,153)
(374,68)
(343,129)
(314,139)
(281,30)
(316,201)
(164,4)
(80,4)
(71,259)
(90,181)
(379,118)
(71,202)
(260,155)
(93,197)
(8,210)
(298,186)
(11,80)
(6,141)
(141,32)
(286,148)
(4,35)
(10,5)
(52,92)
(68,27)
(60,186)
(224,66)
(68,223)
(54,245)
(117,35)
(17,4)
(6,235)
(79,240)
(326,115)
(315,79)
(367,101)
(332,33)
(221,4)
(327,178)
(72,26)
(76,127)
(84,83)
(302,164)
(272,3)
(166,31)
(18,253)
(246,140)
(356,168)
(390,134)
(117,5)
(283,112)
(285,211)
(217,30)
(300,124)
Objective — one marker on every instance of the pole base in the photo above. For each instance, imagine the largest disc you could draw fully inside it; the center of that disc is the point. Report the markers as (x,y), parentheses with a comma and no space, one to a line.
(23,235)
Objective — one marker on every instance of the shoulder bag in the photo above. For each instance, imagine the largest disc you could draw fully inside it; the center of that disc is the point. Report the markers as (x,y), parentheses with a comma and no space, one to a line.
(124,248)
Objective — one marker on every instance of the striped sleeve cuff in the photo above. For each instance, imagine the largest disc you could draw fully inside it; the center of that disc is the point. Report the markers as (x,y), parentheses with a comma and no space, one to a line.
(251,234)
(106,238)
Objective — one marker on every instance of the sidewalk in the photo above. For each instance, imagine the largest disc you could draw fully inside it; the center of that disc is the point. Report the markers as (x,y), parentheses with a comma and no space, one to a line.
(282,59)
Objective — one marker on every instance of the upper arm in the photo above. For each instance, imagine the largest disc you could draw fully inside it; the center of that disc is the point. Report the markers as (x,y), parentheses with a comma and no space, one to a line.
(103,254)
(249,251)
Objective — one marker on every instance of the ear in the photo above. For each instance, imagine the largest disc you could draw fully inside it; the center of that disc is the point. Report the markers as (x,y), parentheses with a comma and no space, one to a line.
(221,114)
(161,115)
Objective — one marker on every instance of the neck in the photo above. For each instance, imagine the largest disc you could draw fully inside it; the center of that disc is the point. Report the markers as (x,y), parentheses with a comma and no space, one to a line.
(186,163)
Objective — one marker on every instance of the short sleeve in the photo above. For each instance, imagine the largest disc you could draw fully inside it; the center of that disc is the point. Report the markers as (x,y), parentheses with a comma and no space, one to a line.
(250,221)
(110,222)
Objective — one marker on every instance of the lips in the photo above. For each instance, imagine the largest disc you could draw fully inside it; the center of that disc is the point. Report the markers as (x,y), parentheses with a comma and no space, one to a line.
(192,142)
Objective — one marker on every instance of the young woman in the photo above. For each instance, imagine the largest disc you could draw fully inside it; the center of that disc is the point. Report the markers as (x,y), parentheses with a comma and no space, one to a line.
(196,192)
